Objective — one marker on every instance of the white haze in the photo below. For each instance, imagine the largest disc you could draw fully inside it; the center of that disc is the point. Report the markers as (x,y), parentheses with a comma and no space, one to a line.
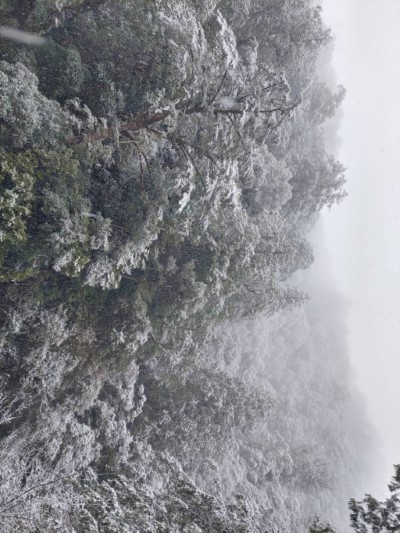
(23,37)
(363,234)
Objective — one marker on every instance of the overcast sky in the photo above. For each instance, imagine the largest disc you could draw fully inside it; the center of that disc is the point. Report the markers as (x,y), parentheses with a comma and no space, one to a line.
(363,233)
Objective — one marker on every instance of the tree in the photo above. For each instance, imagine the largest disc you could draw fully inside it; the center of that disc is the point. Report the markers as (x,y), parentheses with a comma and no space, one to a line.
(371,515)
(318,527)
(123,255)
(260,107)
(322,103)
(26,115)
(16,185)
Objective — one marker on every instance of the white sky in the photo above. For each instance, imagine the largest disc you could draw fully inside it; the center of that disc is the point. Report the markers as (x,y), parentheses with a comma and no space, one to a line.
(363,233)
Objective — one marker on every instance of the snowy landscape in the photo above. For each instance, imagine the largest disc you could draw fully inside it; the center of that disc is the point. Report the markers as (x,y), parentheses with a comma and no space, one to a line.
(169,361)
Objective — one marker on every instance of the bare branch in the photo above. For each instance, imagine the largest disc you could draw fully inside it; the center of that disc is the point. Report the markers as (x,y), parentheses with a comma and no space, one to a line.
(219,87)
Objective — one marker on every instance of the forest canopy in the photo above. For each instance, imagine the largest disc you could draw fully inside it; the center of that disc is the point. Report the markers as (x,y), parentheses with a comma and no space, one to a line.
(161,165)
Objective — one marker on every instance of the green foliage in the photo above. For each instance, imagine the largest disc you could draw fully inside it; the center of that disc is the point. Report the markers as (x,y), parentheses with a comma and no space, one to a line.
(16,195)
(40,191)
(6,8)
(41,14)
(60,71)
(59,171)
(17,182)
(154,173)
(26,115)
(371,515)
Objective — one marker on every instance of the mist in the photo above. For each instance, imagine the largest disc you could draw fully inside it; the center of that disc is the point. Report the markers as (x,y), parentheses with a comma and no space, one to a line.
(180,346)
(362,234)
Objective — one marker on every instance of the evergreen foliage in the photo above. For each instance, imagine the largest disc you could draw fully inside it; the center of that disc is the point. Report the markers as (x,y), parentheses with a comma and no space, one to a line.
(160,164)
(371,515)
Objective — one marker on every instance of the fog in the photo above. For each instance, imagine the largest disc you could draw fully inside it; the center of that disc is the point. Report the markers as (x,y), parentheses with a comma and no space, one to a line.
(189,301)
(362,235)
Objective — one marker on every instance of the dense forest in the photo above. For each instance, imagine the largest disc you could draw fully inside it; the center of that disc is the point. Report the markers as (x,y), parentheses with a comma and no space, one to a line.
(162,163)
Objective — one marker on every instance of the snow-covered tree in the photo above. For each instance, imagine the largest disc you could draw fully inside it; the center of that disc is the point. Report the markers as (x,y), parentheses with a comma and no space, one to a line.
(371,515)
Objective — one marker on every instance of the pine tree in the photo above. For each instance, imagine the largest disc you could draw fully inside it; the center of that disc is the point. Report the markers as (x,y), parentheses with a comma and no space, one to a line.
(371,515)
